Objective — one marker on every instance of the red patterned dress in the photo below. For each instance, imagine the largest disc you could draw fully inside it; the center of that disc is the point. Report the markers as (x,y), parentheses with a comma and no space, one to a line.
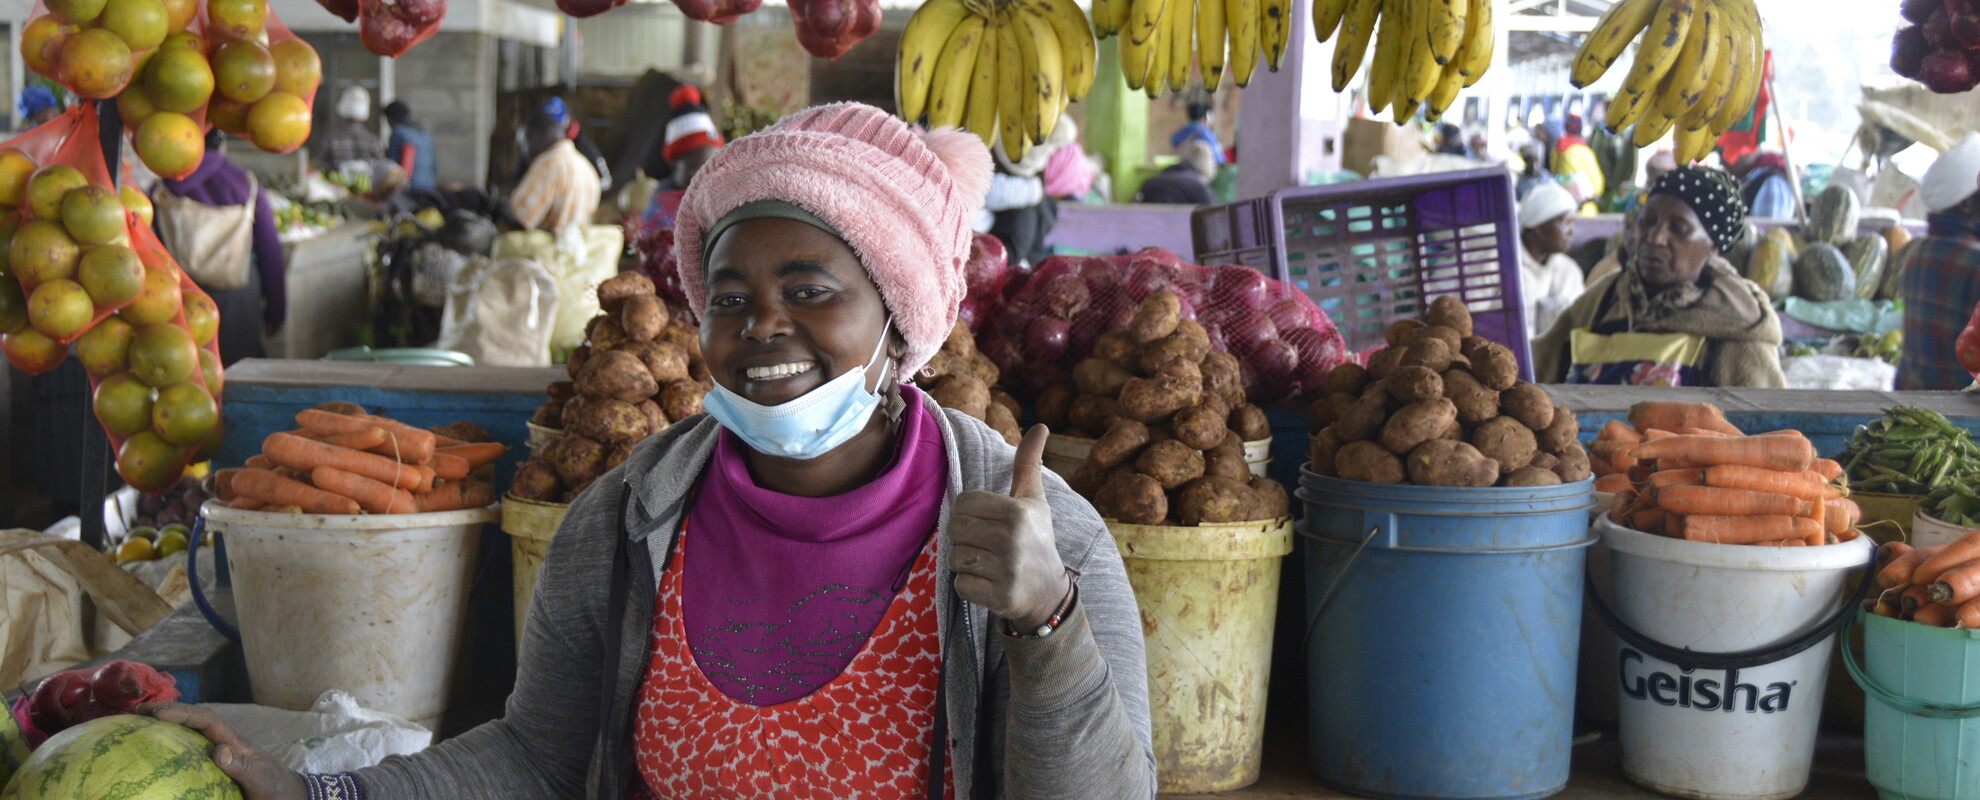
(865,734)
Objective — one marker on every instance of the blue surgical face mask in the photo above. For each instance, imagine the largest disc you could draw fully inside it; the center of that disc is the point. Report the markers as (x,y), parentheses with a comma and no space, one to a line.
(807,427)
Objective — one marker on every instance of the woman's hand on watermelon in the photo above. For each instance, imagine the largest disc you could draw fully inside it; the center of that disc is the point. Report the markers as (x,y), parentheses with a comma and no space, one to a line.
(260,777)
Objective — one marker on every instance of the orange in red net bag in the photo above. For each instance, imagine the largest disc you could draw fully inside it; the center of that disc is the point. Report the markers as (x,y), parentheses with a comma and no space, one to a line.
(391,27)
(94,47)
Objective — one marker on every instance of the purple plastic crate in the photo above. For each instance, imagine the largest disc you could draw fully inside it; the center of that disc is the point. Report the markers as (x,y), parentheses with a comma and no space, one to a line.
(1372,252)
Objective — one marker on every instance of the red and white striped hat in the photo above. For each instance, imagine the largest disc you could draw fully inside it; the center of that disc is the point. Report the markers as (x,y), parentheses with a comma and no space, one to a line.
(691,128)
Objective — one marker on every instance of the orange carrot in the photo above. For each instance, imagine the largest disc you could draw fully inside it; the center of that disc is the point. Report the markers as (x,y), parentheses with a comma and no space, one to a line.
(1828,468)
(450,467)
(1819,535)
(476,454)
(245,504)
(1784,432)
(1968,614)
(1737,530)
(1957,585)
(1618,431)
(1656,434)
(1712,500)
(428,479)
(1612,483)
(1673,415)
(1768,452)
(1649,520)
(1912,599)
(394,425)
(375,497)
(1735,476)
(300,453)
(1784,543)
(1935,615)
(1603,469)
(1889,551)
(1704,432)
(408,444)
(1904,567)
(1625,504)
(274,489)
(1848,535)
(1640,472)
(1843,514)
(1678,477)
(1959,553)
(259,461)
(356,440)
(223,484)
(453,496)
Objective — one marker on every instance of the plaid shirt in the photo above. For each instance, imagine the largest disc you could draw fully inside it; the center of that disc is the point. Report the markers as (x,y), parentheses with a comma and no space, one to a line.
(559,190)
(1940,288)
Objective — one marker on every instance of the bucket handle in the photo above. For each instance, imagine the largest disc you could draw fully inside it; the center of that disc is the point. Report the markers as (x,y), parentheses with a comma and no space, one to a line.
(1907,705)
(1313,623)
(1686,658)
(199,592)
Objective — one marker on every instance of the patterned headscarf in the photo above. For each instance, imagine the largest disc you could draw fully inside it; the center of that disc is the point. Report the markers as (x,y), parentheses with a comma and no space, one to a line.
(1713,196)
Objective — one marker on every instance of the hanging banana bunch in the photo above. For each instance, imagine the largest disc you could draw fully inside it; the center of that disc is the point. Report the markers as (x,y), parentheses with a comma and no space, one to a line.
(1426,51)
(1161,39)
(1696,73)
(996,68)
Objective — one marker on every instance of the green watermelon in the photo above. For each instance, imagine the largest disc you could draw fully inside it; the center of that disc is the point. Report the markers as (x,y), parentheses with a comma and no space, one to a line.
(125,757)
(1834,215)
(13,745)
(1822,274)
(1771,265)
(1866,256)
(1742,250)
(1889,287)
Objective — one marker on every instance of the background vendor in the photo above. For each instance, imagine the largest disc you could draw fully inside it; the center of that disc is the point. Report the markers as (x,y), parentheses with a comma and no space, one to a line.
(1549,280)
(1942,275)
(1676,314)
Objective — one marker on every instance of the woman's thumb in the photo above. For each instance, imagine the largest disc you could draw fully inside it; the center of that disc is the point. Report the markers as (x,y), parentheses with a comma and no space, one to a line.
(1027,478)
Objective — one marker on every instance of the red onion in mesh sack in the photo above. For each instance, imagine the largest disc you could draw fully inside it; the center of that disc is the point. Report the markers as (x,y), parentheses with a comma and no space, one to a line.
(346,10)
(829,28)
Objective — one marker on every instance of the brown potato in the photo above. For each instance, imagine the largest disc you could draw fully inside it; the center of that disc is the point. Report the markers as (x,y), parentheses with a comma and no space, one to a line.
(1155,355)
(1507,441)
(1227,461)
(618,375)
(352,409)
(1402,332)
(1156,399)
(1454,432)
(537,480)
(1450,337)
(1093,414)
(1213,500)
(1204,425)
(1532,476)
(607,335)
(1161,432)
(611,421)
(1100,376)
(1545,460)
(1497,367)
(984,369)
(550,414)
(1002,398)
(1003,422)
(561,390)
(1326,411)
(1529,404)
(462,430)
(667,362)
(1119,445)
(1170,463)
(1118,347)
(1191,329)
(1415,383)
(960,340)
(1132,498)
(683,334)
(681,399)
(1562,434)
(1250,423)
(1442,462)
(1475,403)
(619,453)
(1472,346)
(1385,361)
(656,420)
(1273,502)
(1417,423)
(1348,378)
(1055,404)
(963,393)
(1320,457)
(1450,312)
(575,409)
(1429,352)
(578,460)
(940,365)
(643,317)
(574,363)
(622,287)
(1223,378)
(1364,420)
(1156,317)
(1086,479)
(1367,461)
(1573,466)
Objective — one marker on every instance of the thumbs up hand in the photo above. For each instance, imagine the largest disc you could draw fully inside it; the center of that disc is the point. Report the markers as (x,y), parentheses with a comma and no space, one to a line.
(1006,558)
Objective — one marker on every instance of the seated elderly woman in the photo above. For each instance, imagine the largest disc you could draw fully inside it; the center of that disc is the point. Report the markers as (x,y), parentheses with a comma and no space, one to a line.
(1676,314)
(826,586)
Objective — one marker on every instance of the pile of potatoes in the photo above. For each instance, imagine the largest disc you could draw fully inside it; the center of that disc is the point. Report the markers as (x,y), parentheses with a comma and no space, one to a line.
(639,369)
(960,378)
(1169,419)
(1442,407)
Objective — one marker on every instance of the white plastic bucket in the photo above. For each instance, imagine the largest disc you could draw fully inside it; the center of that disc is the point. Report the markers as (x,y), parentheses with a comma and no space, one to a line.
(1706,729)
(1930,531)
(540,437)
(369,604)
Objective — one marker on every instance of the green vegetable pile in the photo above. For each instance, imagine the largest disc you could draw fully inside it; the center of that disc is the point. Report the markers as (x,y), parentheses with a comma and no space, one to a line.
(1957,503)
(1911,451)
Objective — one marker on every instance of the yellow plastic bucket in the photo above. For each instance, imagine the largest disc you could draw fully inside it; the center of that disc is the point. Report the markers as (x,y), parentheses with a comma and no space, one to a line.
(1208,596)
(529,524)
(1064,453)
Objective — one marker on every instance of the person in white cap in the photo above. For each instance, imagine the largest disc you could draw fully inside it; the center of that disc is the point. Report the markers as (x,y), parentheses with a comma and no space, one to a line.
(1549,280)
(1941,281)
(351,141)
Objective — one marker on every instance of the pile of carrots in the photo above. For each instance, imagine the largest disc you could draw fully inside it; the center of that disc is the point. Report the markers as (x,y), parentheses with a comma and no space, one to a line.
(1681,470)
(340,460)
(1937,586)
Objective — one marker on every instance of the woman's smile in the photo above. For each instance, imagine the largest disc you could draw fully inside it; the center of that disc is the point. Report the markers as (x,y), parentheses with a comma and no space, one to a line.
(778,372)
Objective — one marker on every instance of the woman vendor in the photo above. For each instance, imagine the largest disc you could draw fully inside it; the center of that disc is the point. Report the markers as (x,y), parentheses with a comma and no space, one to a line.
(825,587)
(1676,314)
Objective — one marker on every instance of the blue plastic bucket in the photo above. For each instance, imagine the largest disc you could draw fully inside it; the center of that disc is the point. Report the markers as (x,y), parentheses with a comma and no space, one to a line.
(1921,728)
(1443,629)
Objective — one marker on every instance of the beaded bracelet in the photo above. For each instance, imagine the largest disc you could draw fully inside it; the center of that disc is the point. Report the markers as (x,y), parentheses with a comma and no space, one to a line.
(1058,616)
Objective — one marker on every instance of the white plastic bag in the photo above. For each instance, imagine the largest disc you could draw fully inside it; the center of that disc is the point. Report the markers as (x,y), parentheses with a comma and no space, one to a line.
(579,258)
(335,735)
(501,313)
(1839,372)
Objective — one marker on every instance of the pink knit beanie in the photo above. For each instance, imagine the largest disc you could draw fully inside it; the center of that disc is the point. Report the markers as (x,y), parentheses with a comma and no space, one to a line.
(901,198)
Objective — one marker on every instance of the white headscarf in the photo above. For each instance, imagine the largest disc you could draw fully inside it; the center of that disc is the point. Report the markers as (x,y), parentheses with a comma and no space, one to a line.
(1543,204)
(1064,132)
(1954,177)
(354,104)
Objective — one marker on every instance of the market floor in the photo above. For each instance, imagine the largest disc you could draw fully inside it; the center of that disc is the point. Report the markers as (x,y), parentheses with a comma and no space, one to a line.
(1597,774)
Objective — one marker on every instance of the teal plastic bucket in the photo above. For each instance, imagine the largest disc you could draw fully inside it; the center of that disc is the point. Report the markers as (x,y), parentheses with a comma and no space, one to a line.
(1443,626)
(418,356)
(1921,728)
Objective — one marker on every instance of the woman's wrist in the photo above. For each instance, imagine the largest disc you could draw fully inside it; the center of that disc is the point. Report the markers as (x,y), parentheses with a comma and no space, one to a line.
(1039,625)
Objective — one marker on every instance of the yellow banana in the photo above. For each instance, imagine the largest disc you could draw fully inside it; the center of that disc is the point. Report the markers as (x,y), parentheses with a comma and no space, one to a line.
(1475,56)
(1719,82)
(948,98)
(1658,52)
(1162,50)
(1448,85)
(1241,20)
(1210,42)
(1652,128)
(1118,13)
(1746,86)
(1013,87)
(1612,34)
(1420,70)
(1182,33)
(1076,43)
(983,86)
(1693,71)
(1103,18)
(1145,20)
(1327,16)
(1274,30)
(1389,43)
(1446,19)
(1693,144)
(1137,47)
(927,32)
(1625,108)
(1356,29)
(1407,112)
(1048,71)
